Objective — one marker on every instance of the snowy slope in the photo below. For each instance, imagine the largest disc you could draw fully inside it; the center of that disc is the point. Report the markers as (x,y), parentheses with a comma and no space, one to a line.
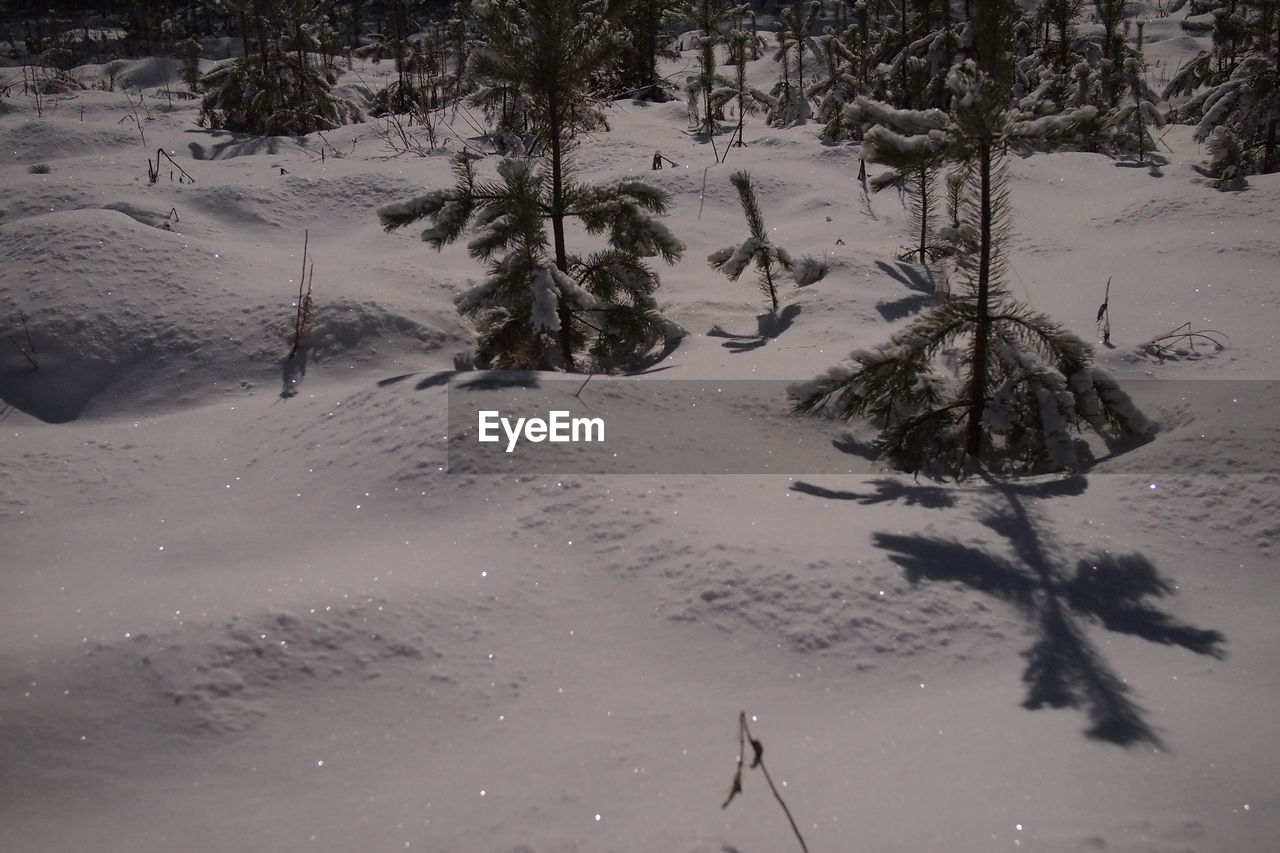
(231,620)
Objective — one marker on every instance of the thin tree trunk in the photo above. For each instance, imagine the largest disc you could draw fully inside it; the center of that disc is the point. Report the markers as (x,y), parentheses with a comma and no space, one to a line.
(397,38)
(982,330)
(1269,164)
(554,122)
(260,30)
(924,212)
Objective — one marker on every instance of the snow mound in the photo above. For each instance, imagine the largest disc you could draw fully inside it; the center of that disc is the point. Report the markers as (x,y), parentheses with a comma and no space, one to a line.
(200,680)
(149,72)
(352,197)
(58,137)
(112,302)
(292,200)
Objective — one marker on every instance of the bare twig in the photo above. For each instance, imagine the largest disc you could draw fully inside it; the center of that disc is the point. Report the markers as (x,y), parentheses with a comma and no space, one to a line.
(138,124)
(757,760)
(1168,343)
(29,351)
(1103,319)
(153,172)
(302,319)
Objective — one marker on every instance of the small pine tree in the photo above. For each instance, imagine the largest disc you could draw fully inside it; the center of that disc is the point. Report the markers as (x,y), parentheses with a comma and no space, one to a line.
(757,248)
(644,44)
(1227,164)
(748,99)
(914,167)
(923,183)
(841,51)
(189,59)
(712,18)
(279,90)
(1060,15)
(532,311)
(795,25)
(1247,101)
(1110,13)
(1137,112)
(1027,381)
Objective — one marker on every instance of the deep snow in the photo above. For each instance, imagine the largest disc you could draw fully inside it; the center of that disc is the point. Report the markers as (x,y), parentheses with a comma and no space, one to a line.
(233,621)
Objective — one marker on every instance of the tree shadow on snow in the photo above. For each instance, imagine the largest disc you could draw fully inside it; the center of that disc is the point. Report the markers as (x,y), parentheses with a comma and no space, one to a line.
(768,327)
(490,380)
(293,370)
(1114,591)
(234,145)
(484,380)
(1152,164)
(847,443)
(920,280)
(886,491)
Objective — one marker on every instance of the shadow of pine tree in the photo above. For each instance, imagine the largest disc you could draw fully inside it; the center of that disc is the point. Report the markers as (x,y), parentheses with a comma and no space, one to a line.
(1064,669)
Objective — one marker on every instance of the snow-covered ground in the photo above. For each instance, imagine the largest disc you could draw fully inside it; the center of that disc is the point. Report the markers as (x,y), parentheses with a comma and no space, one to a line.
(231,620)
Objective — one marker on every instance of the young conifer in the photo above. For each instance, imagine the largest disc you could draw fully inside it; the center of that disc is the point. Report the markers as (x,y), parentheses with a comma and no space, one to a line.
(531,311)
(1025,382)
(758,248)
(279,88)
(749,100)
(791,101)
(1242,94)
(712,18)
(1137,112)
(188,52)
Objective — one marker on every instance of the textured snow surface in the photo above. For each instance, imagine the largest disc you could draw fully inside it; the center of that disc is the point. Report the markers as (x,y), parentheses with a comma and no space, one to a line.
(232,620)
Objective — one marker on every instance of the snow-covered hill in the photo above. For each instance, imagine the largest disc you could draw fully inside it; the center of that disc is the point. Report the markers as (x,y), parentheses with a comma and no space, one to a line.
(234,620)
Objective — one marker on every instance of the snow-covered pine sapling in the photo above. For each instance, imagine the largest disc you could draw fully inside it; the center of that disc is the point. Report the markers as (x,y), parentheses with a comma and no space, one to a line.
(749,100)
(556,52)
(532,312)
(956,180)
(644,43)
(911,143)
(1025,382)
(841,52)
(277,89)
(711,17)
(922,183)
(757,248)
(1228,163)
(189,63)
(1242,94)
(1110,13)
(802,17)
(1137,111)
(795,39)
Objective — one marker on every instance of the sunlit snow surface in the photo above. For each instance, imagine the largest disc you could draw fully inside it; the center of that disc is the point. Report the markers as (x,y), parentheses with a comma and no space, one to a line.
(231,620)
